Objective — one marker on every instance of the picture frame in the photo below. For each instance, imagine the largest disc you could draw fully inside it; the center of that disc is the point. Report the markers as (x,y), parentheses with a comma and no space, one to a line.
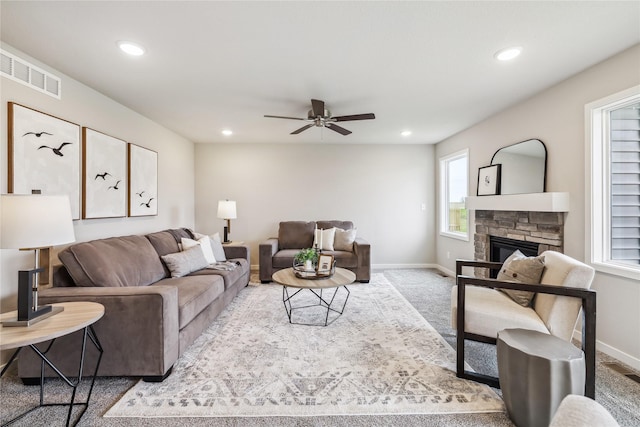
(325,264)
(143,181)
(489,180)
(43,155)
(105,175)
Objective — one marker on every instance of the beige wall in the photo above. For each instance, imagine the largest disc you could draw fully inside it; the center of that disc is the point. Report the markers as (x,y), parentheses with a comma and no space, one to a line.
(86,107)
(556,116)
(381,188)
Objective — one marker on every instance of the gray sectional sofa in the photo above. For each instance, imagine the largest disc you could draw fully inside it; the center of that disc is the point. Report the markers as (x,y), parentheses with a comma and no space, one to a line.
(277,253)
(150,317)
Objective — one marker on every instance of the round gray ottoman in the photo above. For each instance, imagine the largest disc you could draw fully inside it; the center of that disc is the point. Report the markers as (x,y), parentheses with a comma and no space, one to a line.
(536,371)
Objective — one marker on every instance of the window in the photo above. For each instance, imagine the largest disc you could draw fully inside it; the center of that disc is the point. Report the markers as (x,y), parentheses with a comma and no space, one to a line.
(454,185)
(613,190)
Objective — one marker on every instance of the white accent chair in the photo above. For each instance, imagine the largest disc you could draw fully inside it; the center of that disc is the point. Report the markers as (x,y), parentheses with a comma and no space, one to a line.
(580,411)
(562,293)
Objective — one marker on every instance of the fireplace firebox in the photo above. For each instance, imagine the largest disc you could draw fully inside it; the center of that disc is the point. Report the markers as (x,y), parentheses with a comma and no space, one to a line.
(500,248)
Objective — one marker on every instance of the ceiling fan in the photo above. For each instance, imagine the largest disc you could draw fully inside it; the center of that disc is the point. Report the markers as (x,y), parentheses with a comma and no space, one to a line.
(321,117)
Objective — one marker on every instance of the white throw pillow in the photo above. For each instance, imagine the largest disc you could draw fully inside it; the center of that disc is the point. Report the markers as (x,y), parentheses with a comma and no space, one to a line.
(324,239)
(216,246)
(204,243)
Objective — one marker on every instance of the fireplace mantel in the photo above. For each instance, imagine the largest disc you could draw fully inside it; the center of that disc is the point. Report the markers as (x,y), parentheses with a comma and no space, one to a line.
(532,202)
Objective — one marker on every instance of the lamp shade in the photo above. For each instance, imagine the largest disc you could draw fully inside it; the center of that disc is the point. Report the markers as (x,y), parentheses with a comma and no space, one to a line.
(227,209)
(35,221)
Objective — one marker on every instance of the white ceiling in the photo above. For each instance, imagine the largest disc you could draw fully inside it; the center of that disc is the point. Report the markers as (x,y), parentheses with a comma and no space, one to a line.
(423,66)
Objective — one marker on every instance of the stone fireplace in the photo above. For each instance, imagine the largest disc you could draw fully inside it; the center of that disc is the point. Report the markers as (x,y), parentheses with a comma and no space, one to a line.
(531,232)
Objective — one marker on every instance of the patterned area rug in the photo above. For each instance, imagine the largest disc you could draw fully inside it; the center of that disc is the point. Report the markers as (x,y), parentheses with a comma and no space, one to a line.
(379,357)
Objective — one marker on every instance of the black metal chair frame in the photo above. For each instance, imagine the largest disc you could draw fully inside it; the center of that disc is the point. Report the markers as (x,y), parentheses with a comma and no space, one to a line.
(587,296)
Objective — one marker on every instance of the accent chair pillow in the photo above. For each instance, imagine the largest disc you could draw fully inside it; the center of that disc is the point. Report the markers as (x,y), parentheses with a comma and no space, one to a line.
(521,269)
(185,262)
(324,239)
(344,239)
(205,243)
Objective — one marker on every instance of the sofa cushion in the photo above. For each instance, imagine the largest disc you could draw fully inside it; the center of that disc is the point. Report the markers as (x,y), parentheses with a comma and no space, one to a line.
(182,263)
(488,310)
(344,259)
(166,242)
(295,234)
(284,259)
(116,261)
(345,225)
(194,294)
(230,277)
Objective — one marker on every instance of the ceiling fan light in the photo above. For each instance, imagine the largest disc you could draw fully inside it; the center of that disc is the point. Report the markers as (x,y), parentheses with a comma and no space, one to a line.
(508,54)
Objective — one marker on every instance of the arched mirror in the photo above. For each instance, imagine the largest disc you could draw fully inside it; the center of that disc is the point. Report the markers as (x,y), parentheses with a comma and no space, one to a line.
(524,167)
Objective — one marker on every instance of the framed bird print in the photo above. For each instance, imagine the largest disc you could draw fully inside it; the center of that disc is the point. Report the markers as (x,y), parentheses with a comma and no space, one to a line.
(104,175)
(44,155)
(143,181)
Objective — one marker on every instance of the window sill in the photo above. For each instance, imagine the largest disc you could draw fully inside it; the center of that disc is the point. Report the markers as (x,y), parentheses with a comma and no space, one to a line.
(457,236)
(621,270)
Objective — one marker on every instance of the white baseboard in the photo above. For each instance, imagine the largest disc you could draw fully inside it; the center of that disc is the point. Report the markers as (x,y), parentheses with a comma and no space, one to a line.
(399,266)
(623,357)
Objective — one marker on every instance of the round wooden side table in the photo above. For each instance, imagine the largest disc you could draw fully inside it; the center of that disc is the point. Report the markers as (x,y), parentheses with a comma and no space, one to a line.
(75,316)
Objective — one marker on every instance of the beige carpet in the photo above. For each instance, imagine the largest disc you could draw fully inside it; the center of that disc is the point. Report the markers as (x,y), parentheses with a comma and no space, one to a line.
(379,357)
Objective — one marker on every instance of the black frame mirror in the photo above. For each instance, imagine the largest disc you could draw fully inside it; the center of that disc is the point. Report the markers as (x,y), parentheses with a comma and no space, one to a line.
(524,167)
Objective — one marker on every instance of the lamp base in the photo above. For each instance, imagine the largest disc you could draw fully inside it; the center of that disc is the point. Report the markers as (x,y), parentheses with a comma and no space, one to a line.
(28,310)
(226,235)
(45,311)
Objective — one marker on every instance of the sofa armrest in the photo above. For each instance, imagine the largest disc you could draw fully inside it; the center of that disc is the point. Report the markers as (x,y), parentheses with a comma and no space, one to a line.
(362,249)
(267,250)
(236,251)
(139,332)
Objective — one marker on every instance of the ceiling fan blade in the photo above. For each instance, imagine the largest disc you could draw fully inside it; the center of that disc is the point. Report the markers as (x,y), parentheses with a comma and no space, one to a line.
(366,116)
(338,129)
(283,117)
(317,107)
(303,128)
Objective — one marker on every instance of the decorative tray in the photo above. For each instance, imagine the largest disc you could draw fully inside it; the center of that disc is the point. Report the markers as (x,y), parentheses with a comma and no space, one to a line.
(302,273)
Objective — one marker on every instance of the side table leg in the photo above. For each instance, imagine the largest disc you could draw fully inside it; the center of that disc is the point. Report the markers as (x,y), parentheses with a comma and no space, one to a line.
(88,331)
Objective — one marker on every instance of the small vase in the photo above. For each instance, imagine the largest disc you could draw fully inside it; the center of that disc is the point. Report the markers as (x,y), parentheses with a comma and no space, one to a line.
(308,265)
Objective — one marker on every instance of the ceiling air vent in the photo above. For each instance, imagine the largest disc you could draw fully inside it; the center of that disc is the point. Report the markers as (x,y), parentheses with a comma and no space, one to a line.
(19,70)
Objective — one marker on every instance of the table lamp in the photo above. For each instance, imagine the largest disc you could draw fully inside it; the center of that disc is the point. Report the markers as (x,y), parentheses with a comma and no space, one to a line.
(33,222)
(227,211)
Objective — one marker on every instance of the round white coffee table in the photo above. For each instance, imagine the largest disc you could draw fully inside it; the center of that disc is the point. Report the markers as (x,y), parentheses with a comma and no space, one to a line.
(339,280)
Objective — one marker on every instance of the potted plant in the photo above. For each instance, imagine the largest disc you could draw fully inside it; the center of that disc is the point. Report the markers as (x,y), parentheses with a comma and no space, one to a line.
(307,257)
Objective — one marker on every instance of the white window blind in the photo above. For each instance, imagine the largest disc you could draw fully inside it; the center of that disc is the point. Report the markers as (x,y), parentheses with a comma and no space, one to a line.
(625,184)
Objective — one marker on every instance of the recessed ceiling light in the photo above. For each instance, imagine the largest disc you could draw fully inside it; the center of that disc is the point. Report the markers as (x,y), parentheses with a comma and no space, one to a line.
(508,54)
(406,133)
(227,132)
(131,48)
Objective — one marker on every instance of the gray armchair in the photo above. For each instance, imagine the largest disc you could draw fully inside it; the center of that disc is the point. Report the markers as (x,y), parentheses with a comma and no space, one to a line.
(479,310)
(277,253)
